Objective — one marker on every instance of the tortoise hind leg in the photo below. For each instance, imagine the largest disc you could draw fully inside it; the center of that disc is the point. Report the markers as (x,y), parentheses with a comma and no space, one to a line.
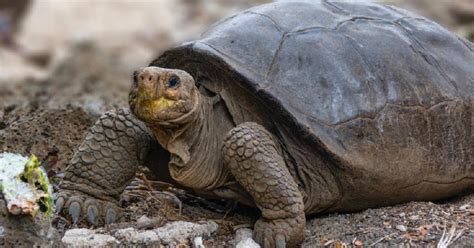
(102,167)
(253,159)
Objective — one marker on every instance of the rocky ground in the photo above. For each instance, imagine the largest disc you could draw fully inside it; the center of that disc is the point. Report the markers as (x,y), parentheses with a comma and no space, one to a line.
(65,72)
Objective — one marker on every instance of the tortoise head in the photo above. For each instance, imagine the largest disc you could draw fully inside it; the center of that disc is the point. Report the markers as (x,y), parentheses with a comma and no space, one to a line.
(162,95)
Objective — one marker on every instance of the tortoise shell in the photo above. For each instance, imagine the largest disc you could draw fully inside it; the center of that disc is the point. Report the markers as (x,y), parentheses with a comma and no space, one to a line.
(373,89)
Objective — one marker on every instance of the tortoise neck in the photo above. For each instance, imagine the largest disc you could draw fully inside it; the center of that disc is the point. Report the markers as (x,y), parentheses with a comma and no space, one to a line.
(195,148)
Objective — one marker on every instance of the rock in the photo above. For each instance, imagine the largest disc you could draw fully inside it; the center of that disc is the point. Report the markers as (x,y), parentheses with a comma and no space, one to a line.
(25,185)
(181,231)
(146,223)
(25,203)
(198,242)
(465,207)
(414,217)
(247,243)
(132,236)
(243,239)
(82,237)
(171,234)
(25,231)
(401,228)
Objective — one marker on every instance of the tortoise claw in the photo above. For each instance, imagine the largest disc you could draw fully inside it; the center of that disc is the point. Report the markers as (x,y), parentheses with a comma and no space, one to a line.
(60,204)
(280,241)
(110,216)
(92,215)
(75,211)
(79,206)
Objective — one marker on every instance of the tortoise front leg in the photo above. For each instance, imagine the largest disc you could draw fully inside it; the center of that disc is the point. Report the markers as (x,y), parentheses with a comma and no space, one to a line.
(253,159)
(102,167)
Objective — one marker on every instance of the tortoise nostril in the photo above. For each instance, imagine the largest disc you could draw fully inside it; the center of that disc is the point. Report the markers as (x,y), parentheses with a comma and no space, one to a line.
(147,78)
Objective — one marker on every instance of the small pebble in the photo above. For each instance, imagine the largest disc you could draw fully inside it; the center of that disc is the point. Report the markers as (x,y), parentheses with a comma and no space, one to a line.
(358,243)
(414,217)
(243,239)
(148,223)
(464,207)
(198,242)
(401,228)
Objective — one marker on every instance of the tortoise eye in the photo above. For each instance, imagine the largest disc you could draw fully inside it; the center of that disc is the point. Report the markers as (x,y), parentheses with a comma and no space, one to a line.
(173,82)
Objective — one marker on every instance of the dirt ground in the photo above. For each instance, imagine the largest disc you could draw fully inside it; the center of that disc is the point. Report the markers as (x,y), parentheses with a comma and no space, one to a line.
(53,89)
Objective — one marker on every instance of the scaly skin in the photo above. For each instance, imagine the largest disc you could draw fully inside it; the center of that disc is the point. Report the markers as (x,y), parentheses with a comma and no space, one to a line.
(253,159)
(102,167)
(168,102)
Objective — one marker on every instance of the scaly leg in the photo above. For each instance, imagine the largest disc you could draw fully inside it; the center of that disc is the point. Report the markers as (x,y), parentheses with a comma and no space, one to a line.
(101,168)
(253,159)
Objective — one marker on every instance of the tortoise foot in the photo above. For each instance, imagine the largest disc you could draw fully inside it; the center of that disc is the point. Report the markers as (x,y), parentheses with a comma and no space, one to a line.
(278,233)
(78,206)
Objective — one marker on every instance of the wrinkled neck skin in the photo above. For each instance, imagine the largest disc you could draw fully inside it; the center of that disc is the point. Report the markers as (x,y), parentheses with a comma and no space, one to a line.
(194,142)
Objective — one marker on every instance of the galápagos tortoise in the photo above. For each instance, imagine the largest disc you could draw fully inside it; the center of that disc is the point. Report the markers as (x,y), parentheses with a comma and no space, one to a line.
(295,108)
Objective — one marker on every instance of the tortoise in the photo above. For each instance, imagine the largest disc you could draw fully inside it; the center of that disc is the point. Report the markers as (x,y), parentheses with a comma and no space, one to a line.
(295,108)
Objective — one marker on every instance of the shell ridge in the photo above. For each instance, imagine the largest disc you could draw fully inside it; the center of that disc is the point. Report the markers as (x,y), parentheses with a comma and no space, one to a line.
(357,18)
(384,85)
(225,55)
(309,29)
(278,27)
(399,11)
(467,43)
(425,54)
(334,8)
(439,182)
(352,19)
(275,55)
(368,68)
(211,27)
(387,104)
